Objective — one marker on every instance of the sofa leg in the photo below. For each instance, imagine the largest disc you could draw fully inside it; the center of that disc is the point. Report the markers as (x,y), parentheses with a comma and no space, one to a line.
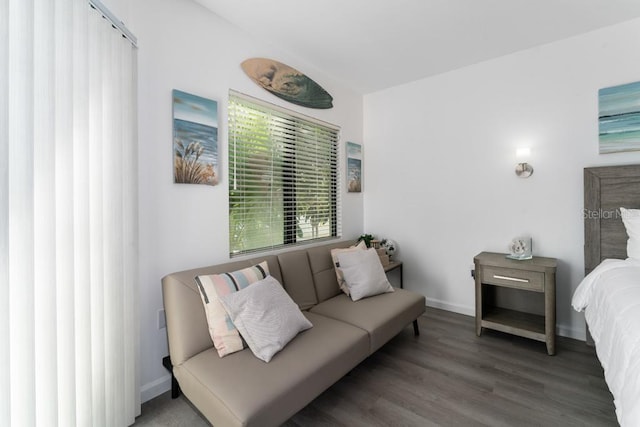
(175,387)
(416,330)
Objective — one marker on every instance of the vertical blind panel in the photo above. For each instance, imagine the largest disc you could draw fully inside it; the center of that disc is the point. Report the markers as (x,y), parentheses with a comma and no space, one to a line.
(68,217)
(110,143)
(44,143)
(81,230)
(112,164)
(283,169)
(96,219)
(130,197)
(4,212)
(131,272)
(21,215)
(64,81)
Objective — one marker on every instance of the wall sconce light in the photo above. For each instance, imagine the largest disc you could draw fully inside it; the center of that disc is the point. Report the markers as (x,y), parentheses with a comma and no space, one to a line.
(523,169)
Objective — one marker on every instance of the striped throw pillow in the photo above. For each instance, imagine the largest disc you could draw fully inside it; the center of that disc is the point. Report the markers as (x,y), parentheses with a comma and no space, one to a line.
(225,336)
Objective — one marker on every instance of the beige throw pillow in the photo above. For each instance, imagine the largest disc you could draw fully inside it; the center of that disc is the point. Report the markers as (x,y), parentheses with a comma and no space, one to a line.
(363,274)
(361,246)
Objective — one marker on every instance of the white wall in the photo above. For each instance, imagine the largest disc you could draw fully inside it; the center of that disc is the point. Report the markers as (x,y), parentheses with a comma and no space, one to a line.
(440,158)
(442,147)
(184,46)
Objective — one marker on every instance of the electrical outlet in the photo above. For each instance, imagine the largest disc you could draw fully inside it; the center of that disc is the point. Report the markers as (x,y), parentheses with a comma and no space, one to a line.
(162,320)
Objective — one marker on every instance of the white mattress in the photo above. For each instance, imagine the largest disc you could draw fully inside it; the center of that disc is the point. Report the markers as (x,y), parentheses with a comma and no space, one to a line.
(610,298)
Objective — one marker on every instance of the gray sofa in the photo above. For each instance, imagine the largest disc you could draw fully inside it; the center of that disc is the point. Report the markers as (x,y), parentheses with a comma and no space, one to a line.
(240,389)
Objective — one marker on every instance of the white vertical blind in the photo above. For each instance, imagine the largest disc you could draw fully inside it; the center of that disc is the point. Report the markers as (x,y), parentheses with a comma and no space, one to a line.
(5,356)
(68,217)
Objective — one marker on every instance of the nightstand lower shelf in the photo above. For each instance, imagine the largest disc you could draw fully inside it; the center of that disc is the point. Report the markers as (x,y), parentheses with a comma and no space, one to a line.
(514,322)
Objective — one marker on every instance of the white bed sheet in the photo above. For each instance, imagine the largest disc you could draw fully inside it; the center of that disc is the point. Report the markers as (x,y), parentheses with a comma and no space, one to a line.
(610,298)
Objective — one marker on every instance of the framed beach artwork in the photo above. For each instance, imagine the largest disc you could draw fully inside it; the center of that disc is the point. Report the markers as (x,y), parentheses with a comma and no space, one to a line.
(619,118)
(354,167)
(195,139)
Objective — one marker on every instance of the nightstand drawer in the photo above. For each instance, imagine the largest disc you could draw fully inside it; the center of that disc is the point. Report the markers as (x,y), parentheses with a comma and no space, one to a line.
(520,279)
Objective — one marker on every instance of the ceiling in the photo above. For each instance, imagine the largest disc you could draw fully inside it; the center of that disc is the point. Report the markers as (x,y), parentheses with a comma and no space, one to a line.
(371,45)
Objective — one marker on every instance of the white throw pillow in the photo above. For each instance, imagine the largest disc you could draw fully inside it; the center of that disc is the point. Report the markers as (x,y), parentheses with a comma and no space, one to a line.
(363,274)
(361,246)
(631,221)
(266,317)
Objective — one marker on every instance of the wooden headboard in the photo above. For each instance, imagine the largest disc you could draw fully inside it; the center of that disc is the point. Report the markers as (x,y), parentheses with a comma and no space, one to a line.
(606,189)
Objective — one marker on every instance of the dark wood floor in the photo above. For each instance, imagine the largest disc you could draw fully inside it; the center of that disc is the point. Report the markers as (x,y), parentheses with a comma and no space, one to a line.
(449,377)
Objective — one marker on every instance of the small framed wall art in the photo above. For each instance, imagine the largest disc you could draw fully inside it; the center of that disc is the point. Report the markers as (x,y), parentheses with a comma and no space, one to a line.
(195,139)
(619,118)
(354,167)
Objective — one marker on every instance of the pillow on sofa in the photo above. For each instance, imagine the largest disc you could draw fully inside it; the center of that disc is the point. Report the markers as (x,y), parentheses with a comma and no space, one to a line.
(334,256)
(363,274)
(266,317)
(224,334)
(631,221)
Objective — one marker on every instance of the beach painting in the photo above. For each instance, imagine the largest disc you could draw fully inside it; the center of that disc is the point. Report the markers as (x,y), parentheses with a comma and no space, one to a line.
(619,118)
(354,167)
(195,139)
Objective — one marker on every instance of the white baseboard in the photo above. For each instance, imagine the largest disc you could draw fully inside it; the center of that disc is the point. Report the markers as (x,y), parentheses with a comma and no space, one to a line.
(561,330)
(566,331)
(155,388)
(456,308)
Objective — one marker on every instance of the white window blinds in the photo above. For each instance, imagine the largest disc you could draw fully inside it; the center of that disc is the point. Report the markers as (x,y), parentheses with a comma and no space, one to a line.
(283,177)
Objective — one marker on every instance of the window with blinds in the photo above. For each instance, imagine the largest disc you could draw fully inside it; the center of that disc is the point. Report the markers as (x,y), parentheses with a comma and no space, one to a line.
(283,176)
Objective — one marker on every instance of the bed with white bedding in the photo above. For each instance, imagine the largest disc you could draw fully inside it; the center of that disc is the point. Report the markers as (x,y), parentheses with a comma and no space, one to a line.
(609,295)
(610,298)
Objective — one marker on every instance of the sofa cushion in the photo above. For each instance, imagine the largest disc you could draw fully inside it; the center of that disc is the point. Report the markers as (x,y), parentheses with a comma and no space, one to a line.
(323,270)
(363,274)
(242,390)
(266,317)
(297,279)
(224,334)
(382,316)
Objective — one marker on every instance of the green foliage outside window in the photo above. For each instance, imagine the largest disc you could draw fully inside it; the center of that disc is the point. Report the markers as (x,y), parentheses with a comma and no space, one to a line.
(282,180)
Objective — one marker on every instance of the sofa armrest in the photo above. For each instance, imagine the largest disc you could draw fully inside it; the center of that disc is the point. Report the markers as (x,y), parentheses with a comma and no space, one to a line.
(187,330)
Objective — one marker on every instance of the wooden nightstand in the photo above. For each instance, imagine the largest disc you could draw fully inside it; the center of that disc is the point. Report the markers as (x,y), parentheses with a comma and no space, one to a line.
(392,266)
(534,275)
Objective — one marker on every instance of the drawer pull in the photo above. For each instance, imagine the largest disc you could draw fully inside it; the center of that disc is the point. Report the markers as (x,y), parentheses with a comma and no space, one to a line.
(511,279)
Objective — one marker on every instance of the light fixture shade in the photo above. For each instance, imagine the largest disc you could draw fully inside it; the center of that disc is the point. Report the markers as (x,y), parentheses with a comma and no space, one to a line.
(524,170)
(523,154)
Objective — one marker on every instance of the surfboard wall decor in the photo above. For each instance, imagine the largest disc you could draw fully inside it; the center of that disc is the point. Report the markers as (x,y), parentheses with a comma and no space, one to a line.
(287,83)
